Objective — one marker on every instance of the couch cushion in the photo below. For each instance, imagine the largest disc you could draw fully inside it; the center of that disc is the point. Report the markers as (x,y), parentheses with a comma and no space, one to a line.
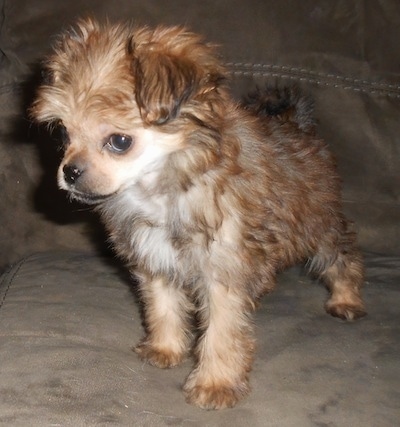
(345,53)
(69,322)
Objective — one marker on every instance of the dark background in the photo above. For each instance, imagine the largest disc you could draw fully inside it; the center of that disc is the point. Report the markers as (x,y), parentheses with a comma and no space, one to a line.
(344,53)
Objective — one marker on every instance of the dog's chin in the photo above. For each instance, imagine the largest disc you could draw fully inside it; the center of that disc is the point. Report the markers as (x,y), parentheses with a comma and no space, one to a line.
(88,198)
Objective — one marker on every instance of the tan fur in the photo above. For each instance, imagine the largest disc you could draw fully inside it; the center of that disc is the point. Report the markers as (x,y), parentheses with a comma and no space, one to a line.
(206,203)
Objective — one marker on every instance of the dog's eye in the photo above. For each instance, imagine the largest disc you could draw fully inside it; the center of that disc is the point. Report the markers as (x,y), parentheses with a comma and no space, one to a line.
(61,135)
(119,143)
(64,136)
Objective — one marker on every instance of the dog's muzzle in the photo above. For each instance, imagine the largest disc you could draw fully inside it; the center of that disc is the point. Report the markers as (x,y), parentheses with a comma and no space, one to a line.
(71,174)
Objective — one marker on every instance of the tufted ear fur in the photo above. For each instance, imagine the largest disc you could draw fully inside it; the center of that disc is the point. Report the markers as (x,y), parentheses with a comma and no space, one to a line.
(171,68)
(163,83)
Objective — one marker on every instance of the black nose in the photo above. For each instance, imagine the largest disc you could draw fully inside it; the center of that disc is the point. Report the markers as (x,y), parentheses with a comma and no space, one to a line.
(71,173)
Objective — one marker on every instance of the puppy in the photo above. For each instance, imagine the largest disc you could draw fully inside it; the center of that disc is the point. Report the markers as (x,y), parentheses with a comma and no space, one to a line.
(204,199)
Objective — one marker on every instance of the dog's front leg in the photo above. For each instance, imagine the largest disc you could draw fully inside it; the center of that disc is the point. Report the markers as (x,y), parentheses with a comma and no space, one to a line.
(225,349)
(167,312)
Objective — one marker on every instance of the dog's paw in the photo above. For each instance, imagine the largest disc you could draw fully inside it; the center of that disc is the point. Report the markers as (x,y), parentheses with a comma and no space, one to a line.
(346,311)
(214,396)
(157,357)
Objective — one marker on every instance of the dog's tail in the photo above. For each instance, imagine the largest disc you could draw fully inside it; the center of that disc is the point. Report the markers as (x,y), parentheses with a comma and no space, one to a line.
(285,104)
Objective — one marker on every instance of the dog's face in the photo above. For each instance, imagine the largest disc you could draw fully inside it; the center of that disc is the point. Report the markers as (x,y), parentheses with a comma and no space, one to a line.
(125,99)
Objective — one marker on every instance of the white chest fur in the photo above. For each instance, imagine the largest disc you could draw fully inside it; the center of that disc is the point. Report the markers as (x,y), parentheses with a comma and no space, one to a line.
(171,233)
(140,229)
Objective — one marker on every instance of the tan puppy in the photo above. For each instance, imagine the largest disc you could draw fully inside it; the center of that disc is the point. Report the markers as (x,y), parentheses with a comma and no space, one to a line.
(205,200)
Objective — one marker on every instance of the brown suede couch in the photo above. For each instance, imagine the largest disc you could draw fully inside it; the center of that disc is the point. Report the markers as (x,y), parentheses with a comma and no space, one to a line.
(68,314)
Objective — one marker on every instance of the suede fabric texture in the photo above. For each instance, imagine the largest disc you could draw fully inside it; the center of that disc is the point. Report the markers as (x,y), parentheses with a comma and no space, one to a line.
(68,313)
(69,322)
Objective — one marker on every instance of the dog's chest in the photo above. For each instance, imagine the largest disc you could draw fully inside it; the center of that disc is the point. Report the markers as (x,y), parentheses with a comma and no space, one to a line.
(156,231)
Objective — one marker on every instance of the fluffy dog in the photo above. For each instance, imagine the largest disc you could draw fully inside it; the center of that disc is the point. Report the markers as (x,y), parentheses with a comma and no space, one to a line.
(204,199)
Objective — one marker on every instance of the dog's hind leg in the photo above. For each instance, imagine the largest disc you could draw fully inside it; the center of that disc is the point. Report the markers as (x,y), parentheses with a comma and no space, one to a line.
(344,277)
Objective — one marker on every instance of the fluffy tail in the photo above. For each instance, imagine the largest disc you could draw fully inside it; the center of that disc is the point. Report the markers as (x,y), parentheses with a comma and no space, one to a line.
(285,104)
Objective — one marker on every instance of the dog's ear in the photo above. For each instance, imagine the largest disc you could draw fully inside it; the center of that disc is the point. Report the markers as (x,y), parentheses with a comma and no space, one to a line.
(169,71)
(162,84)
(71,40)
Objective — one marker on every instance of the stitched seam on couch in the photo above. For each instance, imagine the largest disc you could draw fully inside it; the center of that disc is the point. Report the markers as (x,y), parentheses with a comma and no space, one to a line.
(9,276)
(309,76)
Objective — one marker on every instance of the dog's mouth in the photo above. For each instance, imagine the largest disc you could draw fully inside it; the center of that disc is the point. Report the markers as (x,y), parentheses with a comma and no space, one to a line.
(87,198)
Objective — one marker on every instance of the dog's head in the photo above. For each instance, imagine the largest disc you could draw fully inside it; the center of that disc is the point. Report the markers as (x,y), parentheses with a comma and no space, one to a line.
(124,99)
